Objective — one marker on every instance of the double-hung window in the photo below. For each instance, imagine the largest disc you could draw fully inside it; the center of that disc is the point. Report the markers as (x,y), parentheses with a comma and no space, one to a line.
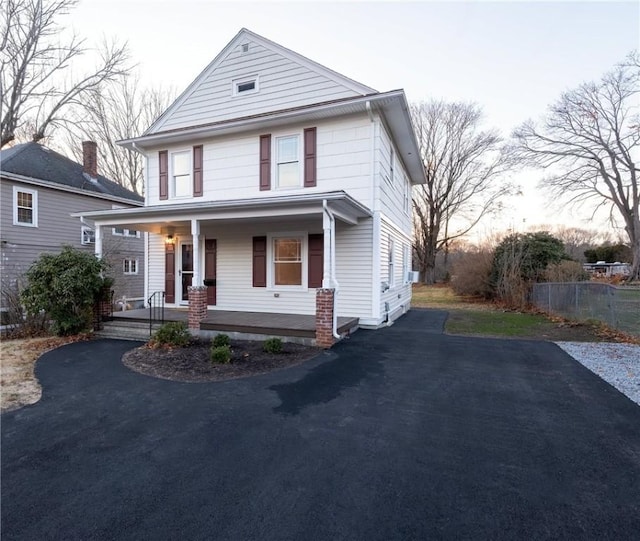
(390,268)
(130,266)
(287,261)
(288,161)
(87,235)
(181,184)
(25,207)
(122,232)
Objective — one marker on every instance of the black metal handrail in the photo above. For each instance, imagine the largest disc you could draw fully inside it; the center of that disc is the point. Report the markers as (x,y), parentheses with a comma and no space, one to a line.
(156,309)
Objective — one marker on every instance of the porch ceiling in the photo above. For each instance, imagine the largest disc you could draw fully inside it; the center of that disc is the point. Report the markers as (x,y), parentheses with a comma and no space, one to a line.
(160,218)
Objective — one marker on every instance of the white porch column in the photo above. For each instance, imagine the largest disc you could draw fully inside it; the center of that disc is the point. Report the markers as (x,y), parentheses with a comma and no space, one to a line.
(195,234)
(98,241)
(326,267)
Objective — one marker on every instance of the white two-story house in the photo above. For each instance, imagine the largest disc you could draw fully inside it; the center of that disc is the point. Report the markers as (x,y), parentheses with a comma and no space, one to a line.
(276,185)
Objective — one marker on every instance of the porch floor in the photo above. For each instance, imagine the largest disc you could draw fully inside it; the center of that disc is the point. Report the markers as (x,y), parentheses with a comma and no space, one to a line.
(245,322)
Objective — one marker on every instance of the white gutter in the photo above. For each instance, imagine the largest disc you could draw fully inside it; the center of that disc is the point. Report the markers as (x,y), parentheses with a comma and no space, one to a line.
(332,268)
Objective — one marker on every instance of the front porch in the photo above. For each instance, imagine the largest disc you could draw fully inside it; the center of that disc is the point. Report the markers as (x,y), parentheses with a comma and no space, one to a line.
(257,325)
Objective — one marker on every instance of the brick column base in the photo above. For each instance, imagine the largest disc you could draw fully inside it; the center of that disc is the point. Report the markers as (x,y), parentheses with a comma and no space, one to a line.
(324,317)
(197,306)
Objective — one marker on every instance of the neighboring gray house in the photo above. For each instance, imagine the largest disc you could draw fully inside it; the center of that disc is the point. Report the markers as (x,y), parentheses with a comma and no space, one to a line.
(39,189)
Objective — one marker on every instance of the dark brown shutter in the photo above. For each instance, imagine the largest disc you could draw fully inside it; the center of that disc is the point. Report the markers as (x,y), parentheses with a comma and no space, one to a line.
(163,158)
(210,253)
(265,162)
(197,171)
(170,272)
(259,261)
(309,157)
(316,260)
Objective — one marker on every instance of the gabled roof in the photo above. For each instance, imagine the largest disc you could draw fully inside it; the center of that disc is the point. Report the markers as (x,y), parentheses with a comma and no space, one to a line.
(243,36)
(39,163)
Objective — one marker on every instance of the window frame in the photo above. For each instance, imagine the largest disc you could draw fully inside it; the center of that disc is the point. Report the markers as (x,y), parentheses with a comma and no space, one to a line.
(125,233)
(303,237)
(130,260)
(275,161)
(391,262)
(83,230)
(236,83)
(172,177)
(34,206)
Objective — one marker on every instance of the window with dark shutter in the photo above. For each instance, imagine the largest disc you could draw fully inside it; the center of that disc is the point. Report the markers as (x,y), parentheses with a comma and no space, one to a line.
(163,166)
(259,261)
(265,162)
(197,171)
(316,260)
(310,157)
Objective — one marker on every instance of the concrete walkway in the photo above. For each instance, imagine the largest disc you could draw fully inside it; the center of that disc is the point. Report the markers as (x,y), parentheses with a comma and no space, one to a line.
(403,433)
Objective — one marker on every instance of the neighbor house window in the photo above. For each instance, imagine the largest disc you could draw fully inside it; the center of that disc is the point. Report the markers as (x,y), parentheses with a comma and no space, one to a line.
(121,232)
(25,207)
(390,269)
(287,261)
(287,161)
(130,266)
(247,85)
(88,235)
(181,184)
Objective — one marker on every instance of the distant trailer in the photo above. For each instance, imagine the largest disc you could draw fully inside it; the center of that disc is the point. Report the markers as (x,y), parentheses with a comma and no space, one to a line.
(602,268)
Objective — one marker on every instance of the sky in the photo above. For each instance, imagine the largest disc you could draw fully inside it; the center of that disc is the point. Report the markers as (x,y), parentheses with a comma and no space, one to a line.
(512,58)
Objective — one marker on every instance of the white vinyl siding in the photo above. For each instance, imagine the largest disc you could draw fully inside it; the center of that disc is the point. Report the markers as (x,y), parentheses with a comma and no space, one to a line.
(283,84)
(397,298)
(231,164)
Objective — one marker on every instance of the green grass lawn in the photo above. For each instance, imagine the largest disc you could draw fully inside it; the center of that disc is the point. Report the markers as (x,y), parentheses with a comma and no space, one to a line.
(473,317)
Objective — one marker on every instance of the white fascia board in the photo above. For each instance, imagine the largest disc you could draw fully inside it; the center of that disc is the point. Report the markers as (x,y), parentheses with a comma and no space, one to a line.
(61,187)
(271,206)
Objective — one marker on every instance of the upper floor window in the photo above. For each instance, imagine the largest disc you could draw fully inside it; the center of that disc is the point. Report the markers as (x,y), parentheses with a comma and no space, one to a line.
(25,207)
(121,232)
(392,165)
(288,161)
(181,184)
(246,85)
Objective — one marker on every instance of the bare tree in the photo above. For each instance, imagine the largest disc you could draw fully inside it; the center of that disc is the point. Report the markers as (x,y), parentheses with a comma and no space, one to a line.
(463,167)
(590,140)
(35,80)
(120,110)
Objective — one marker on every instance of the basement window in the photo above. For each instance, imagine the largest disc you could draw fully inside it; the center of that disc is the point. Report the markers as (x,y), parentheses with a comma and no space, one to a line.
(244,86)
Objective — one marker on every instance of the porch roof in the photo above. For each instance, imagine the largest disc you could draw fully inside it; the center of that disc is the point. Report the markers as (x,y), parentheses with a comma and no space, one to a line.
(342,205)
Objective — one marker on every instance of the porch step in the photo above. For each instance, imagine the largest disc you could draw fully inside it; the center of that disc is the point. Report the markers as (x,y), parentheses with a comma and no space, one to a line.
(126,330)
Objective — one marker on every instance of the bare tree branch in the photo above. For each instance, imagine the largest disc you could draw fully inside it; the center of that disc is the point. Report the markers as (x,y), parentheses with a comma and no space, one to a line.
(121,110)
(464,168)
(35,80)
(590,140)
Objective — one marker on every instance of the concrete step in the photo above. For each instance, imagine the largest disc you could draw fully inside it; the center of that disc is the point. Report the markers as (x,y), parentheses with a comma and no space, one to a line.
(125,330)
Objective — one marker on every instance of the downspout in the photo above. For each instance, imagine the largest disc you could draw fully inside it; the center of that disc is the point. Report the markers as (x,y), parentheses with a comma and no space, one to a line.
(332,267)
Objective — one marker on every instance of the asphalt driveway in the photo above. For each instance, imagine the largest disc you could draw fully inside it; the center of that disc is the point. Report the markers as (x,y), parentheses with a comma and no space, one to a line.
(403,433)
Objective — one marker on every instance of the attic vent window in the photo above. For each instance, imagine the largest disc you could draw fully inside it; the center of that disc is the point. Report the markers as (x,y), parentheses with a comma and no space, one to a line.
(245,47)
(244,86)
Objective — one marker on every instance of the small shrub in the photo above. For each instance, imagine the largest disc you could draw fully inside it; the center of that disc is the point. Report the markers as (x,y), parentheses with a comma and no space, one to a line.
(272,345)
(221,340)
(220,354)
(173,334)
(471,274)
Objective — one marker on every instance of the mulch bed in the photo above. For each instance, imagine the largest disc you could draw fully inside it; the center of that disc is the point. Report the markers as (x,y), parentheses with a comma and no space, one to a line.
(192,363)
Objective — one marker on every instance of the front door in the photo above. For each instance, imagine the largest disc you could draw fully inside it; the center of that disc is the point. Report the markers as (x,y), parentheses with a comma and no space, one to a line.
(185,271)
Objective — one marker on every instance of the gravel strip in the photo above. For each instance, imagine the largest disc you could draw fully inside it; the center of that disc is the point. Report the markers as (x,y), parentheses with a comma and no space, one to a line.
(617,364)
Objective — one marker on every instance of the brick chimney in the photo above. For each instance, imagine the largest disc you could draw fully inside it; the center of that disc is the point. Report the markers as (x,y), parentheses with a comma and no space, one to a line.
(90,158)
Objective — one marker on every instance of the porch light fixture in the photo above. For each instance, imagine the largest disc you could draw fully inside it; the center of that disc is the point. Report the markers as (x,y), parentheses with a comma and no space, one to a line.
(170,239)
